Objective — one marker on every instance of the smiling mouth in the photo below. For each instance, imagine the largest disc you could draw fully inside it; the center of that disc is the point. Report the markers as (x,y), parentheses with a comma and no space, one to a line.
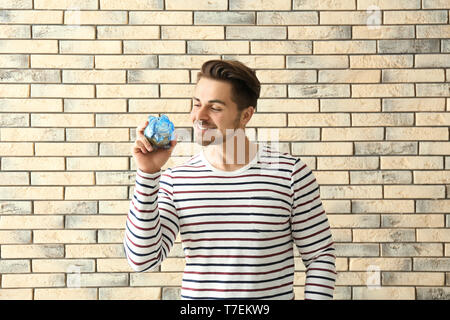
(200,126)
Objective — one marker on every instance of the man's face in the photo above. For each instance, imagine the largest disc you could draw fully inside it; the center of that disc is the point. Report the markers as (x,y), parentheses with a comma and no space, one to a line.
(214,115)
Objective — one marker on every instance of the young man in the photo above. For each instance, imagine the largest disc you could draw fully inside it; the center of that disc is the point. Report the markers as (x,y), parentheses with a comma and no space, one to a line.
(238,206)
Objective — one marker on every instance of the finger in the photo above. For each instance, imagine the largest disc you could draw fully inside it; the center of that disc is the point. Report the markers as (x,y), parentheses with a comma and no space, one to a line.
(140,129)
(140,145)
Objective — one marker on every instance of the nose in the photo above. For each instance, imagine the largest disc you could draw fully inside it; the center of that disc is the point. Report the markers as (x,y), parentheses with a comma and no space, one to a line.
(200,113)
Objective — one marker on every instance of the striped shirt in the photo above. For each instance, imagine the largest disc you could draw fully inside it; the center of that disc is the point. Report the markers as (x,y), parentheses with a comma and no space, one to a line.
(238,228)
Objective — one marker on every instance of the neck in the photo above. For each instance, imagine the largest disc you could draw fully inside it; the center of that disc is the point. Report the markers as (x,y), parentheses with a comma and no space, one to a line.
(236,152)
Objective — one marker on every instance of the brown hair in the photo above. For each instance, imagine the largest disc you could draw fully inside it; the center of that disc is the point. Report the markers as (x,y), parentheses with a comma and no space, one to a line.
(245,85)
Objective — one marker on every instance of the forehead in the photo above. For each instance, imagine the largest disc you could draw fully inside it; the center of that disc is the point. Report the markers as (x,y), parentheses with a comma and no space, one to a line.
(213,89)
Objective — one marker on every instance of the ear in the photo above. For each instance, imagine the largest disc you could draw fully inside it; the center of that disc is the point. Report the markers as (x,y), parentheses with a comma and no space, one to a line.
(247,114)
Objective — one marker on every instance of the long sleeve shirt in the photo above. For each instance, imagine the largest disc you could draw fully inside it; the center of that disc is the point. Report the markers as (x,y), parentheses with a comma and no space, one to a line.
(238,228)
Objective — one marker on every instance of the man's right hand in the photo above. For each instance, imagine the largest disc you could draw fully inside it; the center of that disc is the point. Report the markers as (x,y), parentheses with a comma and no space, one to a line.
(149,159)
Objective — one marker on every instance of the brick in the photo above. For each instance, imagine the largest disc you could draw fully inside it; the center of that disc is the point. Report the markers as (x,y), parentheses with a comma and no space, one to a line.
(383,293)
(416,75)
(411,162)
(319,91)
(343,17)
(64,236)
(62,178)
(159,105)
(323,5)
(349,192)
(381,61)
(433,31)
(383,32)
(287,18)
(319,119)
(415,17)
(111,236)
(432,177)
(13,61)
(435,4)
(129,293)
(16,149)
(388,5)
(62,90)
(97,163)
(382,206)
(96,221)
(131,5)
(382,119)
(350,163)
(357,250)
(259,61)
(14,120)
(196,5)
(286,76)
(14,178)
(289,134)
(439,90)
(258,33)
(95,17)
(223,18)
(409,46)
(28,46)
(62,61)
(346,105)
(94,251)
(349,76)
(66,149)
(262,120)
(385,148)
(114,178)
(14,237)
(97,279)
(33,163)
(111,207)
(316,62)
(96,192)
(412,221)
(351,134)
(14,90)
(27,76)
(218,47)
(127,90)
(414,191)
(260,5)
(16,294)
(432,206)
(95,105)
(32,280)
(411,250)
(432,60)
(158,76)
(354,221)
(97,134)
(192,32)
(115,149)
(382,90)
(32,251)
(344,47)
(127,32)
(321,148)
(319,32)
(15,31)
(380,177)
(65,207)
(113,265)
(385,264)
(66,4)
(90,46)
(433,293)
(414,104)
(433,235)
(32,17)
(30,105)
(384,235)
(159,17)
(63,32)
(62,120)
(435,264)
(155,279)
(431,148)
(66,294)
(153,46)
(94,76)
(16,4)
(15,207)
(410,133)
(281,47)
(288,105)
(126,62)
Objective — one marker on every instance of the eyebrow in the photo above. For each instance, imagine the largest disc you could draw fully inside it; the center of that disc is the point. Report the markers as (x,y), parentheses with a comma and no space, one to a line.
(212,101)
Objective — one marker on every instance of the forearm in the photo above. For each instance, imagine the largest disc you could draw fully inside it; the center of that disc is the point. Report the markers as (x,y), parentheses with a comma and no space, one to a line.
(143,236)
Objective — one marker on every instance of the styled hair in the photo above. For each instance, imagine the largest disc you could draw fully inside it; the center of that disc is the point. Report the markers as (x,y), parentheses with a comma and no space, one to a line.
(245,85)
